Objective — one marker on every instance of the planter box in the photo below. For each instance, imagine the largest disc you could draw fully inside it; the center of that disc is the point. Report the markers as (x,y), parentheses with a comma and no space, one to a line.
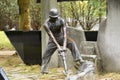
(91,35)
(27,45)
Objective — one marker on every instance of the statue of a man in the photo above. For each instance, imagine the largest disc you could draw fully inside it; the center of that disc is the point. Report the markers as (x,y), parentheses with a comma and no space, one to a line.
(56,30)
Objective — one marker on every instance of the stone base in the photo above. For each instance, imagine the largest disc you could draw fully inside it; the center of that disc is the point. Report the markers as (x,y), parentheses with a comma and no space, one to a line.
(88,76)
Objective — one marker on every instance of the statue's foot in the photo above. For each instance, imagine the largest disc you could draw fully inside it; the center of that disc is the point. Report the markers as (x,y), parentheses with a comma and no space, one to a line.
(78,63)
(44,72)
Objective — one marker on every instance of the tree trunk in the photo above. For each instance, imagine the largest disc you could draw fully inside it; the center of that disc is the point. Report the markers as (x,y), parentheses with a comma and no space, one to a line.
(24,15)
(108,38)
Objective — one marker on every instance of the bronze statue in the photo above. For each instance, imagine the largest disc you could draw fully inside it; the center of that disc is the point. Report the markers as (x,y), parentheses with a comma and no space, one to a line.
(56,30)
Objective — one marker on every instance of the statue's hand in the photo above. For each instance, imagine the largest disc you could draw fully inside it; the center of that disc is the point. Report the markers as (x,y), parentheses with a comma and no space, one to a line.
(64,49)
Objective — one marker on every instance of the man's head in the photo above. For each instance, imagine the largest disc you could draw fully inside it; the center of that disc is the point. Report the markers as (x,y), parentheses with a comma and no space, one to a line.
(53,13)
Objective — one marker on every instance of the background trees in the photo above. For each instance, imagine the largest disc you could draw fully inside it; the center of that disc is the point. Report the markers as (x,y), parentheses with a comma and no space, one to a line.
(8,13)
(24,15)
(85,13)
(35,13)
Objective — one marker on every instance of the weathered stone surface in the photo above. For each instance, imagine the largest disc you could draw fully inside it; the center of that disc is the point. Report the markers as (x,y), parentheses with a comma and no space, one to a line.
(88,47)
(54,60)
(89,50)
(89,76)
(77,35)
(108,38)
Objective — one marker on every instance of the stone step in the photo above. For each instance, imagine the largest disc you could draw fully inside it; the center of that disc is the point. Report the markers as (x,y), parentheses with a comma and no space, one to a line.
(89,56)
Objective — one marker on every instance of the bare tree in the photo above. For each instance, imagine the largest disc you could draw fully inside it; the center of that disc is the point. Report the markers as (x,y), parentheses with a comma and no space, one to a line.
(24,15)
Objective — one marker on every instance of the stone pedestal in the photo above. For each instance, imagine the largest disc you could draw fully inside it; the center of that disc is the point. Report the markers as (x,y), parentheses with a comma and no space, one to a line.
(89,76)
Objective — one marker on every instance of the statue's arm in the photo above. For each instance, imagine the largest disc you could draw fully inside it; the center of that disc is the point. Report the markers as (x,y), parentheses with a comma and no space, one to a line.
(50,34)
(65,35)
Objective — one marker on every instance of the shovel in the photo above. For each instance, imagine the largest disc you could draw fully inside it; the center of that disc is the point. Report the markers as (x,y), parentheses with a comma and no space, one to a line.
(63,56)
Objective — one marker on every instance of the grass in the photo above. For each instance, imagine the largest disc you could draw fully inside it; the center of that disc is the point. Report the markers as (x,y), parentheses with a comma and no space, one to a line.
(4,42)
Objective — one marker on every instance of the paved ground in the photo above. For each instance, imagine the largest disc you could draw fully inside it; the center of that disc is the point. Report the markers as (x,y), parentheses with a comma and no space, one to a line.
(15,69)
(7,53)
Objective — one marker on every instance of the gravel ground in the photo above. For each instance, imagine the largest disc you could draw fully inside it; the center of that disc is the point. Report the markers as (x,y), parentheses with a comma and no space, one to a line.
(15,69)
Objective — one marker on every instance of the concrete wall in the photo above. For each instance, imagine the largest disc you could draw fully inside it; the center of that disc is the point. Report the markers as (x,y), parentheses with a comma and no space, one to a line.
(109,38)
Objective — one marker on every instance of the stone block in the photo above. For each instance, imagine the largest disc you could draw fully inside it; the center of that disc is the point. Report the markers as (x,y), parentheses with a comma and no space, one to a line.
(88,76)
(77,35)
(88,47)
(56,60)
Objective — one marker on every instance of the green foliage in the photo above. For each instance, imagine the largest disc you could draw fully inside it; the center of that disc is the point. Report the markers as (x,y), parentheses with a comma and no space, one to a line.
(35,11)
(8,13)
(4,42)
(87,13)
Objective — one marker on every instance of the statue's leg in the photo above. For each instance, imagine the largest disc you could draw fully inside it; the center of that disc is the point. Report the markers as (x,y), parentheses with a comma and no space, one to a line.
(75,53)
(51,47)
(74,50)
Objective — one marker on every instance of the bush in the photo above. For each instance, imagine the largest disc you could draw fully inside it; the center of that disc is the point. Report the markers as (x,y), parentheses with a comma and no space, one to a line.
(8,13)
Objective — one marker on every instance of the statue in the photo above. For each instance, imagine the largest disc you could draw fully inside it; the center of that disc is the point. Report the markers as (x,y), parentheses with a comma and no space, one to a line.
(56,30)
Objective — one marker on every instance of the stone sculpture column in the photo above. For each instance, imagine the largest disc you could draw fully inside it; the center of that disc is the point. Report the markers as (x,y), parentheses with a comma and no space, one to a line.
(109,37)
